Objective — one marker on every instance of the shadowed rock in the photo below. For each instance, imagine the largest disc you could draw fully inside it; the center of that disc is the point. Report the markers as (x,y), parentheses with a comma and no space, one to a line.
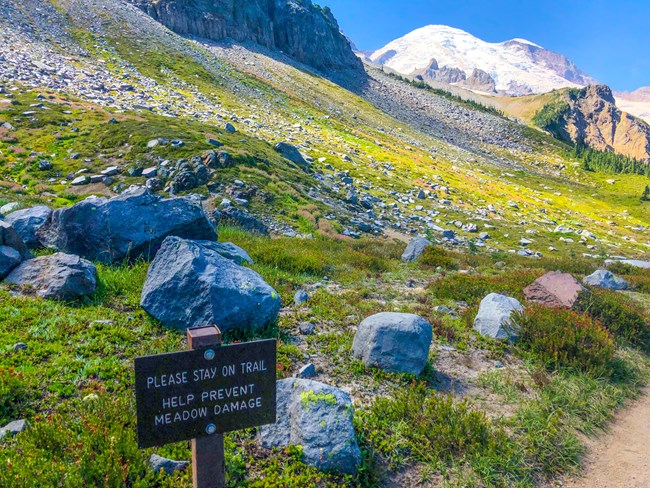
(130,226)
(28,221)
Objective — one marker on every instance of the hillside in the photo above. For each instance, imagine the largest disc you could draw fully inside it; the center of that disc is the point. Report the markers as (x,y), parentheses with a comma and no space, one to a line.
(150,147)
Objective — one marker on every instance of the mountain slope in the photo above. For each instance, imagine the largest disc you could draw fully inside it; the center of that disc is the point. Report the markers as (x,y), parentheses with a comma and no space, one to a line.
(304,31)
(517,66)
(590,115)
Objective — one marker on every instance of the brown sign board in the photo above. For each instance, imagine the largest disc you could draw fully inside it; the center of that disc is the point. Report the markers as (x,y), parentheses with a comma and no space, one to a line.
(196,393)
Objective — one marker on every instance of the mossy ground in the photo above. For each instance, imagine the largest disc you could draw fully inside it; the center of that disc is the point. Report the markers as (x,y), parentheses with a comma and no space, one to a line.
(513,426)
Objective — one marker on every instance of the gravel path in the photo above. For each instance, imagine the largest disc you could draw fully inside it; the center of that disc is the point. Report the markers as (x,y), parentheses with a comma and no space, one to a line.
(621,459)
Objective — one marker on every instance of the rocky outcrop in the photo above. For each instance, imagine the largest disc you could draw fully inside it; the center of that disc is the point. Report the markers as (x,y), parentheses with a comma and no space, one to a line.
(591,115)
(306,32)
(479,80)
(445,74)
(28,221)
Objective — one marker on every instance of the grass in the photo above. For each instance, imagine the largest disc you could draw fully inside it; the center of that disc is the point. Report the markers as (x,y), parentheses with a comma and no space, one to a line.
(74,381)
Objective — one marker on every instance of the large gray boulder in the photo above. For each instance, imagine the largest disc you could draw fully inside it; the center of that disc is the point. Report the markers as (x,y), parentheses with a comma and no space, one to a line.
(58,276)
(9,259)
(605,279)
(317,417)
(28,221)
(190,284)
(415,249)
(130,226)
(396,342)
(494,316)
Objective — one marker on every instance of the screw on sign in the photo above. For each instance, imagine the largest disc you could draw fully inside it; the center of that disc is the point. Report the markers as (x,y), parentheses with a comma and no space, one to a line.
(203,392)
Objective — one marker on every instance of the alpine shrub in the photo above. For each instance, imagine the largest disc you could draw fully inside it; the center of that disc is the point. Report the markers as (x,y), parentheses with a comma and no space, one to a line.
(564,338)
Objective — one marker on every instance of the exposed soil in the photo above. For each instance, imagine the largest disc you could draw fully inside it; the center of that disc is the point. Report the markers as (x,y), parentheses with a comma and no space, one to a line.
(621,458)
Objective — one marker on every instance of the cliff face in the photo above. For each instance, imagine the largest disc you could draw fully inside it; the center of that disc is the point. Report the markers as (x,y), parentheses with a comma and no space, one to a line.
(591,114)
(308,33)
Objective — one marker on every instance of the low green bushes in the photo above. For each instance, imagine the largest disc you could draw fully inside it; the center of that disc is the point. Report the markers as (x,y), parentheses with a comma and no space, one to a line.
(564,338)
(625,321)
(418,424)
(435,256)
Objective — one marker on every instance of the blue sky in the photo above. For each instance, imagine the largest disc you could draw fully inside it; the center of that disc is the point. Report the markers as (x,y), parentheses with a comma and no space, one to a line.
(608,39)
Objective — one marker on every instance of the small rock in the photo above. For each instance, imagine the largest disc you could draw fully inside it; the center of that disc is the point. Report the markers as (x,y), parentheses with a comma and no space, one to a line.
(300,297)
(307,328)
(554,289)
(167,465)
(415,249)
(605,279)
(318,418)
(307,371)
(13,428)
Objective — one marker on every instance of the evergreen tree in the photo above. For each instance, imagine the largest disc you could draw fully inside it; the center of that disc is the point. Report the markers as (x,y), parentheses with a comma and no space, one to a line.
(646,194)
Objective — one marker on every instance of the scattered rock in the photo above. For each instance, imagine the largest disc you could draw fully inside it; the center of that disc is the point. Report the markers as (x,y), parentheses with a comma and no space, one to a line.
(167,465)
(13,428)
(554,289)
(307,371)
(307,328)
(9,259)
(317,417)
(395,342)
(493,318)
(605,279)
(415,249)
(129,226)
(291,153)
(242,219)
(58,276)
(190,284)
(300,297)
(28,221)
(9,237)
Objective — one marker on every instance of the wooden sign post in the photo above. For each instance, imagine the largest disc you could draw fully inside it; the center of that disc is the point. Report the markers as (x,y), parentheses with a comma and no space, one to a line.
(203,392)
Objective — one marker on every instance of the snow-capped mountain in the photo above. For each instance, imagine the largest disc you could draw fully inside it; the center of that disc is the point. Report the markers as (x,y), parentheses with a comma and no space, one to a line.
(516,67)
(637,103)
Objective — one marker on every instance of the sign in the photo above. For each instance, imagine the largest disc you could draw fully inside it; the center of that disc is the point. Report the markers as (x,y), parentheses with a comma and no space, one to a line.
(205,391)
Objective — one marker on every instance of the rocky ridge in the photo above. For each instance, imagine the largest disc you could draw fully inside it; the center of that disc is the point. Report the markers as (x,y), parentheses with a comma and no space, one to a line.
(307,32)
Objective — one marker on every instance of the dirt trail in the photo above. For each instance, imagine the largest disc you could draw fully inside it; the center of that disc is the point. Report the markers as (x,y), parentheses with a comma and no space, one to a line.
(621,458)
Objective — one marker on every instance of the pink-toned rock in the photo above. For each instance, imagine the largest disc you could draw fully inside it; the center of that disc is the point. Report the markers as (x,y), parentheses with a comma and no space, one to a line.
(554,289)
